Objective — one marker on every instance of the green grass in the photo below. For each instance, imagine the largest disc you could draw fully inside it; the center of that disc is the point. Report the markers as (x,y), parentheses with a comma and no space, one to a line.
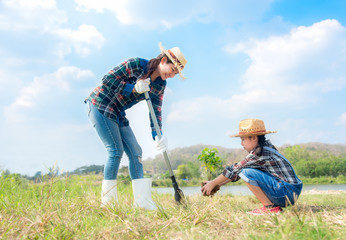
(69,208)
(197,181)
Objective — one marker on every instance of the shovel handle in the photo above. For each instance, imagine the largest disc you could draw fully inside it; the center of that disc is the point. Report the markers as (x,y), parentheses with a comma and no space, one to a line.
(179,195)
(158,131)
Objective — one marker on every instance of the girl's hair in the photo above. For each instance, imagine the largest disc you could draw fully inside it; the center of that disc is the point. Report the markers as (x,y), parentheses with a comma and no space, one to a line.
(261,142)
(153,63)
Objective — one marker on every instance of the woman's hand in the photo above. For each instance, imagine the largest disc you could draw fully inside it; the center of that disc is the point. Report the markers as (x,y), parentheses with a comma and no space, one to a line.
(161,144)
(142,86)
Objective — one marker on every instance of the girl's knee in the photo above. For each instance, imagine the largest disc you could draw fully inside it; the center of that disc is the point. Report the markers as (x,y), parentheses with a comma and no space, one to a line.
(249,174)
(248,171)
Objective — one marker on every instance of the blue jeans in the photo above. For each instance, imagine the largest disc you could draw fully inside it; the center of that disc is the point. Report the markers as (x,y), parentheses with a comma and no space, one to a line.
(116,139)
(279,192)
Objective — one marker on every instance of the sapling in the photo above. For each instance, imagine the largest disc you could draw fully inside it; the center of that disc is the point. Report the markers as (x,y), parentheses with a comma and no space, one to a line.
(209,160)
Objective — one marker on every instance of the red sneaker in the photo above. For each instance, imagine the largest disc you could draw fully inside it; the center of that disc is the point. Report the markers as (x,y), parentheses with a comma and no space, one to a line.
(263,210)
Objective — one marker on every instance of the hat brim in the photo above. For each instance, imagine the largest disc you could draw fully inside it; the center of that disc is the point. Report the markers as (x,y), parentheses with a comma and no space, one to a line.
(173,61)
(251,134)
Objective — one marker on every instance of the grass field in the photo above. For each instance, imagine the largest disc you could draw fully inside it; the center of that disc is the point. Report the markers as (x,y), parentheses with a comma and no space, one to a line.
(69,208)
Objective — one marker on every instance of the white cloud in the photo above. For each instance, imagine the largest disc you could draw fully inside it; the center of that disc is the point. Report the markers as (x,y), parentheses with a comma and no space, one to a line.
(200,109)
(85,36)
(30,148)
(39,15)
(101,5)
(42,88)
(132,12)
(341,120)
(31,4)
(301,131)
(290,71)
(8,81)
(44,17)
(152,14)
(138,115)
(70,144)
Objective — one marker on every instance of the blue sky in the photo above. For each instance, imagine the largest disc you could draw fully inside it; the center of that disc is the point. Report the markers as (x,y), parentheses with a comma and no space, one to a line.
(282,61)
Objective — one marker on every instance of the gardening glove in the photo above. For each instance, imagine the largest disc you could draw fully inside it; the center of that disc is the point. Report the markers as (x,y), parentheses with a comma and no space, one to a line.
(142,86)
(161,144)
(215,189)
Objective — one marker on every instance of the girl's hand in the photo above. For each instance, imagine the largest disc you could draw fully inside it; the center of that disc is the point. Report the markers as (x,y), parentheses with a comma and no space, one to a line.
(209,188)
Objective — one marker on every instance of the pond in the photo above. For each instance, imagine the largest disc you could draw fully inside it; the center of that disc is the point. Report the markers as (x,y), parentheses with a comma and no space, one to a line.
(243,190)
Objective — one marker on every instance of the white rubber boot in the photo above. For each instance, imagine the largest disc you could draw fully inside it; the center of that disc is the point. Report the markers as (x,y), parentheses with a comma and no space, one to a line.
(109,192)
(142,193)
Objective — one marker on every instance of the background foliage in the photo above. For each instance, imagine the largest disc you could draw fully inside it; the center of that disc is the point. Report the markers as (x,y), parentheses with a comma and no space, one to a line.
(324,162)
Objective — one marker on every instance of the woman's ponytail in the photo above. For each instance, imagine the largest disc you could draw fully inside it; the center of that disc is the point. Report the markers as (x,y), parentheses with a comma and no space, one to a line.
(153,63)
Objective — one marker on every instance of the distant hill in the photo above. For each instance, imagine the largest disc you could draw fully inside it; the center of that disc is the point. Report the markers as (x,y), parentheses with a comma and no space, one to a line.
(335,149)
(185,155)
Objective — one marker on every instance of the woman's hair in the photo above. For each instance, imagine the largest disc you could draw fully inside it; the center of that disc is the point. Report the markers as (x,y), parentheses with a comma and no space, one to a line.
(153,63)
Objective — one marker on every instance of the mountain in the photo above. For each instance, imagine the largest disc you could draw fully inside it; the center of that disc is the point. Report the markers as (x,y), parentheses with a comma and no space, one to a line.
(229,156)
(335,149)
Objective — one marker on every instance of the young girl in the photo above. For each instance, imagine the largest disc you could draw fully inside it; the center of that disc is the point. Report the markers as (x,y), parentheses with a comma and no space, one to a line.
(120,89)
(267,173)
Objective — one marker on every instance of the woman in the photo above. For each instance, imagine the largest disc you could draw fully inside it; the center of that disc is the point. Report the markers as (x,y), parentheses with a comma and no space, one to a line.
(120,89)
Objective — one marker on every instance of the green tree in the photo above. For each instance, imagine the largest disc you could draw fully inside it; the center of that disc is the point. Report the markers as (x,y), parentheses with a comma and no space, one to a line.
(209,160)
(296,154)
(184,172)
(166,175)
(194,168)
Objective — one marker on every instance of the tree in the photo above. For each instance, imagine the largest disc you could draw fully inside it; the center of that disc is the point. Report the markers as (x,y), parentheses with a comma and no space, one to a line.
(183,172)
(209,160)
(194,168)
(297,153)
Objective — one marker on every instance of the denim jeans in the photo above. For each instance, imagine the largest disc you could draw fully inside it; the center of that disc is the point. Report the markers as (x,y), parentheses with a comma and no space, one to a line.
(116,140)
(279,192)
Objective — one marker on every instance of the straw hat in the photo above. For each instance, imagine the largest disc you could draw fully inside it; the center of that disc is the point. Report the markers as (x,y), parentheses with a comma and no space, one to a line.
(251,127)
(177,58)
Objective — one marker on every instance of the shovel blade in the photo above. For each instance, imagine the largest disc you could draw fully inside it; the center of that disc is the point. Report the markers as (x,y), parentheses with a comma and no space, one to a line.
(179,195)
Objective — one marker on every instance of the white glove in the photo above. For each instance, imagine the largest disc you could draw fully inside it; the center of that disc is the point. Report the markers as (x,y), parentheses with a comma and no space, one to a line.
(161,144)
(142,86)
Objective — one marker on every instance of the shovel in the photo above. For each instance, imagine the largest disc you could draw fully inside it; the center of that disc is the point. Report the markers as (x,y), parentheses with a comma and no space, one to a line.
(178,192)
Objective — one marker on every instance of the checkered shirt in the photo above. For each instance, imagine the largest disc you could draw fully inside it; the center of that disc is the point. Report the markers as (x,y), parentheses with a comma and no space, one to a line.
(114,95)
(271,162)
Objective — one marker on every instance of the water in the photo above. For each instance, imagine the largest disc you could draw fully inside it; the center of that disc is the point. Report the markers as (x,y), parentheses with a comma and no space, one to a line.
(243,190)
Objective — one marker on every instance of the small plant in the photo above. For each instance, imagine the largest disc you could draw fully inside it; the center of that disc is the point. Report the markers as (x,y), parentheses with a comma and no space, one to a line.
(210,161)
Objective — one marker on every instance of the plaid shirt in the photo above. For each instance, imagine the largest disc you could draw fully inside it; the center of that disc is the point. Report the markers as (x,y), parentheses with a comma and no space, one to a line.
(271,161)
(114,95)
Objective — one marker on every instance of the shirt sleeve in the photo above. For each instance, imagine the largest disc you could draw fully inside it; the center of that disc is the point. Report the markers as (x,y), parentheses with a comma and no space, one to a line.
(128,87)
(122,78)
(142,64)
(232,172)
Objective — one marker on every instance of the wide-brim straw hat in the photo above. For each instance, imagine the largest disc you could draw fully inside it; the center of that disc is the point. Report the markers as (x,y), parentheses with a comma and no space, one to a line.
(251,127)
(177,58)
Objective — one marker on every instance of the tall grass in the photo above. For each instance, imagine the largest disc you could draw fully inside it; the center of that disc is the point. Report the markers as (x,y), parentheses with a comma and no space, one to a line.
(69,208)
(167,182)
